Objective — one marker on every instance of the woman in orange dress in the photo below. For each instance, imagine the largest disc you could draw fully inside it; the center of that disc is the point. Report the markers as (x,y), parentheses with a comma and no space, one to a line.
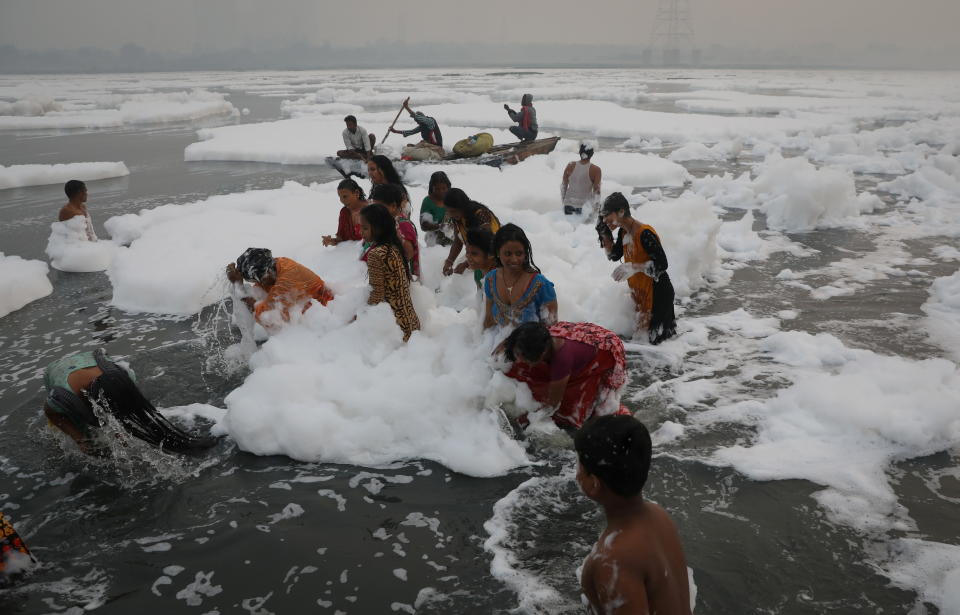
(644,267)
(286,282)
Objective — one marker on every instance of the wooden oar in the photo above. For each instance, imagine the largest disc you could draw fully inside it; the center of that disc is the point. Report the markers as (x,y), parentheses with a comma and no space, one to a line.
(396,117)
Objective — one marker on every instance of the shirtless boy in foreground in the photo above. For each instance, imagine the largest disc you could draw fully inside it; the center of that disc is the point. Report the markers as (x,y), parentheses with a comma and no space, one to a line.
(637,565)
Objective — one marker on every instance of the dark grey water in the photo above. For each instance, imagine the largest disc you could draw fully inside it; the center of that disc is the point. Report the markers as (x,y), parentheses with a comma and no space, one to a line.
(227,531)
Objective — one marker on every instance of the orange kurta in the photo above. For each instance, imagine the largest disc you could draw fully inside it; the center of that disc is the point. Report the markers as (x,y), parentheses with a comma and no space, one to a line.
(295,285)
(641,285)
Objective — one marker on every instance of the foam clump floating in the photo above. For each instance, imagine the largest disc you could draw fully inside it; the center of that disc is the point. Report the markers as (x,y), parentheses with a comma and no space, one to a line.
(70,250)
(24,281)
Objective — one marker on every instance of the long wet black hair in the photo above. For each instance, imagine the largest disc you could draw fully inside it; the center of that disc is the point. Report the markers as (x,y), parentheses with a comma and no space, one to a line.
(458,199)
(384,229)
(116,393)
(528,341)
(389,172)
(616,202)
(512,232)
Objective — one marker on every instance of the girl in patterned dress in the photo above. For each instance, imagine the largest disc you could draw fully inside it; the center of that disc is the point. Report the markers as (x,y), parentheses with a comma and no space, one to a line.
(387,268)
(389,196)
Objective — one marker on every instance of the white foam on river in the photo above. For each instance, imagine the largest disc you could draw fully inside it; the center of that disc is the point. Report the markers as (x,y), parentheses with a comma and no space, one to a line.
(805,405)
(23,281)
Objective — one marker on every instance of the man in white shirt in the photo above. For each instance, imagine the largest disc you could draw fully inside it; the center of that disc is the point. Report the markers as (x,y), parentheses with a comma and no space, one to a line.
(357,143)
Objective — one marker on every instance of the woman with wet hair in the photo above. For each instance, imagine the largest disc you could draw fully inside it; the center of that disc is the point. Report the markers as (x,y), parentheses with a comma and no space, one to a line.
(644,267)
(389,196)
(516,291)
(348,226)
(576,370)
(79,381)
(465,214)
(381,171)
(387,268)
(286,283)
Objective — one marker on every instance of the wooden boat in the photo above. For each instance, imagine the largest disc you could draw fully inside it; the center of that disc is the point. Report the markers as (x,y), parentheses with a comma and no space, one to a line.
(497,156)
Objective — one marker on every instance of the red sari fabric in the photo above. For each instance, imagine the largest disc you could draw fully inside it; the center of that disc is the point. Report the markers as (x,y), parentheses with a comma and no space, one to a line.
(606,374)
(346,229)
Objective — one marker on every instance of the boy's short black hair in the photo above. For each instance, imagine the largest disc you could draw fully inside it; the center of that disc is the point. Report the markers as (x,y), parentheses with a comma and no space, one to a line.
(350,118)
(73,187)
(617,450)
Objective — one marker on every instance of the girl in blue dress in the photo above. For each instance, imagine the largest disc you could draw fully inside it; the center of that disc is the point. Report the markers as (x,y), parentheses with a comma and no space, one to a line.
(516,291)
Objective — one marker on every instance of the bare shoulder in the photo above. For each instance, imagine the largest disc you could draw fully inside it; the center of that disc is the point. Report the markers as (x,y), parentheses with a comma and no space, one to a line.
(68,211)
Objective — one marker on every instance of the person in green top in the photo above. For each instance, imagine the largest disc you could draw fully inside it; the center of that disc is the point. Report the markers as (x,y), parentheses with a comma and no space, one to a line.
(433,213)
(78,383)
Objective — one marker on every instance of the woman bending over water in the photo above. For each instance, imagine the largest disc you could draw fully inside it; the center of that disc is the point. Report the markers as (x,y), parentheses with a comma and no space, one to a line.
(78,381)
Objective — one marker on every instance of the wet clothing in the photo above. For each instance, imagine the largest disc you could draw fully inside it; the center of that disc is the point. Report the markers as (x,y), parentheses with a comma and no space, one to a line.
(347,229)
(10,545)
(61,399)
(389,283)
(408,232)
(526,128)
(427,127)
(116,394)
(359,141)
(529,307)
(429,209)
(653,298)
(484,219)
(596,376)
(579,190)
(294,284)
(434,214)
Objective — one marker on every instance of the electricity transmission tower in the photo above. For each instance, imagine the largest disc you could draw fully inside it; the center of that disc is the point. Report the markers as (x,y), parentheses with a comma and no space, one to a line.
(672,31)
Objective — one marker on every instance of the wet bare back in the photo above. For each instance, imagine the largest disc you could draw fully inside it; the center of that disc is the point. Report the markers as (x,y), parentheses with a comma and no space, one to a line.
(637,566)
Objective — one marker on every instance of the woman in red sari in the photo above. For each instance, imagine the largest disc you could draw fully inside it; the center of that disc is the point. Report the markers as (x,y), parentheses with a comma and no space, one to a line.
(577,369)
(348,224)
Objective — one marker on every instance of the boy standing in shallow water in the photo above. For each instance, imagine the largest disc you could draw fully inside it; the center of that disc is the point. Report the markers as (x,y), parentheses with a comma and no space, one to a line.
(637,565)
(76,192)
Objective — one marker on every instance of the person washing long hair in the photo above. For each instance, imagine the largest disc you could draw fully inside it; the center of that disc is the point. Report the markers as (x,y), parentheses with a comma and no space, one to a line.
(77,382)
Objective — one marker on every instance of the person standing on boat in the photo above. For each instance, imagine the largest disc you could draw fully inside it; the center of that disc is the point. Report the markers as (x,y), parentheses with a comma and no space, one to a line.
(357,143)
(581,182)
(526,118)
(427,127)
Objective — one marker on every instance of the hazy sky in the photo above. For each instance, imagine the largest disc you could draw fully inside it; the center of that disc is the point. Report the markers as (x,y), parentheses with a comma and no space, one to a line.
(197,25)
